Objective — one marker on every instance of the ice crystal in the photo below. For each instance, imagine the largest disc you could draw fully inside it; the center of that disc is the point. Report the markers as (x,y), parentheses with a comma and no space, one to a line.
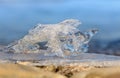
(57,38)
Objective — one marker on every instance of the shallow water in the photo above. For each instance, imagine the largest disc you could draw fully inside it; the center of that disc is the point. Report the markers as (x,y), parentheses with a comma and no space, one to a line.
(17,17)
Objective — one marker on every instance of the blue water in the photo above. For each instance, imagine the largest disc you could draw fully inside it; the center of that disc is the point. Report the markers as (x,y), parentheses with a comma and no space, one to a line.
(18,16)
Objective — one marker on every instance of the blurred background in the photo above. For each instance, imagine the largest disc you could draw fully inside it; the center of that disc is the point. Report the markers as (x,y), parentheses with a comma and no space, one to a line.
(18,16)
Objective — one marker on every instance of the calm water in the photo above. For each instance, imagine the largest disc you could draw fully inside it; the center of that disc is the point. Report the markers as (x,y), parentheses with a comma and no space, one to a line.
(17,17)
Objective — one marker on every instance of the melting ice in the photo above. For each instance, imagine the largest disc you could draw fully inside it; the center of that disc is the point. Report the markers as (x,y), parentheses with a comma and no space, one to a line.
(56,39)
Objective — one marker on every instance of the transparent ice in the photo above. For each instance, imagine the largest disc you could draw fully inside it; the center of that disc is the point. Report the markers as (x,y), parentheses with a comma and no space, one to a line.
(55,39)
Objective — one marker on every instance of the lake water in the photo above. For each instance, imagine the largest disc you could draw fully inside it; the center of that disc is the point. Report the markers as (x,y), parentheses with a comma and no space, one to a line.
(18,16)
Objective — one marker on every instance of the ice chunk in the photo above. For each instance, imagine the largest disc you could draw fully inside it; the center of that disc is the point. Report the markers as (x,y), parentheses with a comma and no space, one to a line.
(57,38)
(78,42)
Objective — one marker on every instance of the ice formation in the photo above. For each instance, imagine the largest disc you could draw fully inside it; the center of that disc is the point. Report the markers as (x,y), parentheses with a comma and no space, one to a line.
(57,38)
